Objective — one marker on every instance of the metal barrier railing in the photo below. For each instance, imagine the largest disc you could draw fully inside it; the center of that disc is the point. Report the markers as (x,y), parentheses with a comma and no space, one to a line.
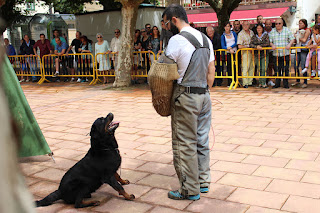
(26,65)
(225,67)
(105,64)
(256,64)
(68,65)
(142,61)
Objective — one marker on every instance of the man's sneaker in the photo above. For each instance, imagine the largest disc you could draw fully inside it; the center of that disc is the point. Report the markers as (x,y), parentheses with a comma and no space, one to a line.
(270,83)
(175,195)
(87,80)
(295,84)
(27,80)
(72,79)
(79,80)
(304,86)
(22,80)
(56,73)
(318,73)
(304,70)
(57,80)
(313,73)
(83,80)
(204,189)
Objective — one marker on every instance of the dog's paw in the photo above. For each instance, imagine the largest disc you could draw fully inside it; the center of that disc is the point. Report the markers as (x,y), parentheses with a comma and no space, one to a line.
(125,182)
(132,197)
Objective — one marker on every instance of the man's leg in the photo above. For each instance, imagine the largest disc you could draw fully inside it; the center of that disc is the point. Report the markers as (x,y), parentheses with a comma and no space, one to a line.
(277,70)
(204,122)
(184,142)
(250,67)
(286,71)
(245,66)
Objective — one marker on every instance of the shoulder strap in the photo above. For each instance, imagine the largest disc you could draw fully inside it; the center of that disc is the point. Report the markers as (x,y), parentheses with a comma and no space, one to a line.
(191,39)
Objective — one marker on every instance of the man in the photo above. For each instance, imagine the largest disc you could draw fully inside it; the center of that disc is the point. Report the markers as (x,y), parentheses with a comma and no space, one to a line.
(60,50)
(44,46)
(259,21)
(164,37)
(26,49)
(148,28)
(191,104)
(236,27)
(268,29)
(56,35)
(281,37)
(9,48)
(216,42)
(244,39)
(76,43)
(115,47)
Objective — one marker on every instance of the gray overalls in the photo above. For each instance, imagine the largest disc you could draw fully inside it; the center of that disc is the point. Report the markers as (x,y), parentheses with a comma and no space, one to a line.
(191,120)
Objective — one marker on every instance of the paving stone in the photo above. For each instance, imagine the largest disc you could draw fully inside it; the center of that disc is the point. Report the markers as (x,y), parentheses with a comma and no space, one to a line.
(223,147)
(156,157)
(304,165)
(255,150)
(302,204)
(155,148)
(268,136)
(128,163)
(216,175)
(208,205)
(43,188)
(227,156)
(266,161)
(294,188)
(246,141)
(282,145)
(135,189)
(240,168)
(51,174)
(258,198)
(130,153)
(219,191)
(256,209)
(292,154)
(159,209)
(245,181)
(160,181)
(60,163)
(54,208)
(158,168)
(311,177)
(131,175)
(279,173)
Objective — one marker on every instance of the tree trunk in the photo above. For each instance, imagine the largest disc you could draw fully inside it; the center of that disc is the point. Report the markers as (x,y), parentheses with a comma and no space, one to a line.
(223,17)
(129,13)
(172,2)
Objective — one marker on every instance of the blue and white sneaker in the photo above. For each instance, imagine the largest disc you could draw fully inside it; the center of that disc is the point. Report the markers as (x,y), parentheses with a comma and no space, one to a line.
(204,189)
(175,195)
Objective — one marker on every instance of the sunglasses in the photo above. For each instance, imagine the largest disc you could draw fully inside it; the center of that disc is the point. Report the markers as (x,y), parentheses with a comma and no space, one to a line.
(148,27)
(166,23)
(278,23)
(143,31)
(117,32)
(99,37)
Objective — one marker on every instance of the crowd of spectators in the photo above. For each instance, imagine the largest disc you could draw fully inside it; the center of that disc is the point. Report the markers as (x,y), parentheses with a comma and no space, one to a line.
(274,62)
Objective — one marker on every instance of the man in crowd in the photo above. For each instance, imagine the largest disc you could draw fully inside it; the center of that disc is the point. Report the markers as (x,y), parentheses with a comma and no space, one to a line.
(191,104)
(236,27)
(259,21)
(216,42)
(281,37)
(164,36)
(244,39)
(76,43)
(268,29)
(57,35)
(60,50)
(9,48)
(148,29)
(44,46)
(115,47)
(26,49)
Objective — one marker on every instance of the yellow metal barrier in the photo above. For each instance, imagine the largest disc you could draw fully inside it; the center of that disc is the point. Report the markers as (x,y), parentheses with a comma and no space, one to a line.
(158,55)
(105,64)
(68,65)
(225,67)
(142,61)
(26,65)
(260,59)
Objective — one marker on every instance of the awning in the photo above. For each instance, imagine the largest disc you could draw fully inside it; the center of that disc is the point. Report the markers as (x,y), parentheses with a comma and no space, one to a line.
(210,19)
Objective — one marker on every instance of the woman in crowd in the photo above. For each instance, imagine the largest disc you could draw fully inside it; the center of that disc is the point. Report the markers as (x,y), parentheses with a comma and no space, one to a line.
(136,47)
(259,40)
(86,47)
(229,43)
(303,36)
(155,42)
(145,40)
(102,46)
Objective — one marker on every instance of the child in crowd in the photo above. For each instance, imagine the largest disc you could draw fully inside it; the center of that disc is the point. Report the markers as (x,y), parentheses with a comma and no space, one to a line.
(314,41)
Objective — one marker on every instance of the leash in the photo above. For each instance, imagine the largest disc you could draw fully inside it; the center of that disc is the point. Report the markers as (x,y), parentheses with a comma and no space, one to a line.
(214,137)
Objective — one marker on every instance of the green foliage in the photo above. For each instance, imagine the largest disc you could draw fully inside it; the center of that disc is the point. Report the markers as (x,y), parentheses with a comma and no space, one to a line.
(9,12)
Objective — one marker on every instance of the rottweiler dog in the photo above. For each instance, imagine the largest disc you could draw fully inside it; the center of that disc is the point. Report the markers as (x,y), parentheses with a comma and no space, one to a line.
(98,166)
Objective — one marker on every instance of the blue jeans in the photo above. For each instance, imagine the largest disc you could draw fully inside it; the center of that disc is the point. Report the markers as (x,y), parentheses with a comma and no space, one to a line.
(300,60)
(32,65)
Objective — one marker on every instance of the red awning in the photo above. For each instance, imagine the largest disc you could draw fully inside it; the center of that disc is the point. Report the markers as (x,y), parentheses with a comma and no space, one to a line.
(210,19)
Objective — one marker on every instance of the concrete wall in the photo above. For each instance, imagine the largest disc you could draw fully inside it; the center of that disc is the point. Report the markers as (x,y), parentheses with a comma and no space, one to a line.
(107,22)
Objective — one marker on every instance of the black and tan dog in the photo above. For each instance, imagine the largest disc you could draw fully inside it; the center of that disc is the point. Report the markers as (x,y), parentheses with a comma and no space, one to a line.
(98,166)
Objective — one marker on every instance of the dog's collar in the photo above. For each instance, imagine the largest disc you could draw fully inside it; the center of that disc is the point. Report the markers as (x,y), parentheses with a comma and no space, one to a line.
(106,149)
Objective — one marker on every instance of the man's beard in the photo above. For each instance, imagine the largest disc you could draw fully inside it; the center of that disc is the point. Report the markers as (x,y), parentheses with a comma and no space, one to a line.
(174,29)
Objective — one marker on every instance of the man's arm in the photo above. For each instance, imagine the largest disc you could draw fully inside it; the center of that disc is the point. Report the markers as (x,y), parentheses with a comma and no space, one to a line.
(211,73)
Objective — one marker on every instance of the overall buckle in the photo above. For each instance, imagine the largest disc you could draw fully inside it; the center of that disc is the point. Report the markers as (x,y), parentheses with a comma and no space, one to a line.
(188,90)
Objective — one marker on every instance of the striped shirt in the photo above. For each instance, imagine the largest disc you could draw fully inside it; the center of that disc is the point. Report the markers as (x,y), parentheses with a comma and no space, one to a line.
(281,39)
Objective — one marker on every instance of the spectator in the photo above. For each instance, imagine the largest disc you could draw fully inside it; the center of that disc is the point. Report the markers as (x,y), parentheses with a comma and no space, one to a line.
(102,46)
(313,22)
(216,42)
(258,41)
(44,46)
(281,37)
(164,36)
(86,47)
(27,49)
(148,28)
(313,44)
(76,43)
(259,21)
(9,48)
(155,41)
(318,19)
(60,50)
(237,27)
(268,26)
(229,43)
(145,41)
(244,38)
(268,29)
(115,47)
(302,39)
(136,47)
(57,35)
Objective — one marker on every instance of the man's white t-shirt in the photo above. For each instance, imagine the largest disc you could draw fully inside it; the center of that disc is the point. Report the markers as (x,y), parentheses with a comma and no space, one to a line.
(180,50)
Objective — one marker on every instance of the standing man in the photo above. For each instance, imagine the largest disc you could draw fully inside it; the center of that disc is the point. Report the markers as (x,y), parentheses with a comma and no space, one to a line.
(281,37)
(191,104)
(268,29)
(244,39)
(148,29)
(115,47)
(164,36)
(57,35)
(44,46)
(76,43)
(259,21)
(60,50)
(9,48)
(26,49)
(236,27)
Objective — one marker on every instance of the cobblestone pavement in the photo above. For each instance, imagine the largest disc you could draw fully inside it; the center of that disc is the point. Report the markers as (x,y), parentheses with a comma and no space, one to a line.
(265,157)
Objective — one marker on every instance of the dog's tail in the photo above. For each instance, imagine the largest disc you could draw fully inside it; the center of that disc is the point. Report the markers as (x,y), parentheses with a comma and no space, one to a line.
(54,196)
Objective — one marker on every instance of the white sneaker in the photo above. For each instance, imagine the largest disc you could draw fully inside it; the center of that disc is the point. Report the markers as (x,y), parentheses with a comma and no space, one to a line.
(304,70)
(72,79)
(318,73)
(270,83)
(27,80)
(79,80)
(87,80)
(57,73)
(313,74)
(22,80)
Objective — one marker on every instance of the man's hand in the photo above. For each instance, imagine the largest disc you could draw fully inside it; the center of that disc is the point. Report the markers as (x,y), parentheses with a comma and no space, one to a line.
(273,47)
(288,47)
(259,47)
(231,51)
